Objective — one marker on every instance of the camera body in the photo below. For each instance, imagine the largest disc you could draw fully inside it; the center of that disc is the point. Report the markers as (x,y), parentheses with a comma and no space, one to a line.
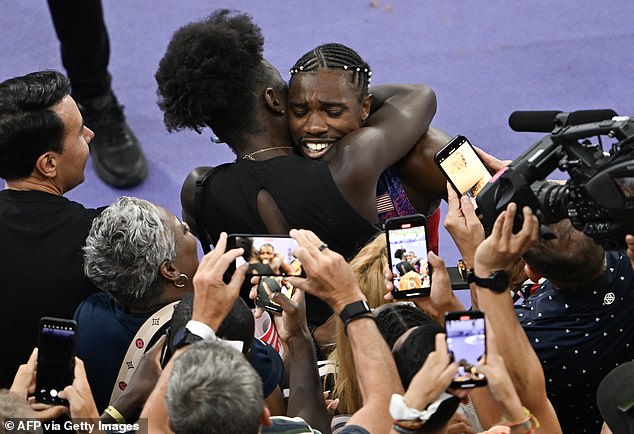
(599,196)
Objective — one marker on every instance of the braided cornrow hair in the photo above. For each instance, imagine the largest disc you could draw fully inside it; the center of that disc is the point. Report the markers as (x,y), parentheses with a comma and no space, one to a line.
(336,56)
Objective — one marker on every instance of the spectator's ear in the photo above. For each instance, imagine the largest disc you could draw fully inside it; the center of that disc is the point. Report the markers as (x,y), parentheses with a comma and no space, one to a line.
(46,164)
(169,271)
(533,274)
(265,417)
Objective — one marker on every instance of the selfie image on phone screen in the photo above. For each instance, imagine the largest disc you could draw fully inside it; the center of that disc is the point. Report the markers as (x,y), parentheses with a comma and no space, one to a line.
(466,341)
(408,258)
(268,255)
(466,172)
(56,359)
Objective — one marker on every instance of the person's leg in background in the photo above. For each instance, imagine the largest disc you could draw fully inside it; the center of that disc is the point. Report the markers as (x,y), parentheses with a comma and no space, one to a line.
(115,150)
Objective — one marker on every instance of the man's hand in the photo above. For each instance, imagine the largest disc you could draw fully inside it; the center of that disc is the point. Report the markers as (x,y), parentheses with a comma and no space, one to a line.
(433,378)
(329,276)
(80,400)
(502,248)
(292,322)
(24,385)
(493,164)
(441,298)
(463,225)
(213,298)
(142,382)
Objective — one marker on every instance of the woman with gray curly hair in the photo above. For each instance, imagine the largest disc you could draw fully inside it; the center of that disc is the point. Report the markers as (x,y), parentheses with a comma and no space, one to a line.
(142,257)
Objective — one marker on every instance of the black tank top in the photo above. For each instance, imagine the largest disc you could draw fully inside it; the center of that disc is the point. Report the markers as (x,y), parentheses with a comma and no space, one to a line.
(303,190)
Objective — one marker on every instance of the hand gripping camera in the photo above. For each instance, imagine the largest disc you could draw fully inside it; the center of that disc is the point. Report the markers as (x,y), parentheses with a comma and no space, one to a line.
(599,196)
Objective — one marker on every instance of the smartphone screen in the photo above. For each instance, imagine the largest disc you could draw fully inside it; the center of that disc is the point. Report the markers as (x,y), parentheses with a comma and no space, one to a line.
(55,359)
(267,255)
(462,166)
(466,341)
(407,254)
(269,285)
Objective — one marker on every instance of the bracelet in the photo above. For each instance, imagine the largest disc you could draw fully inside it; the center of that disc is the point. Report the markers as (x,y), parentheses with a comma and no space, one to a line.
(114,413)
(403,430)
(529,421)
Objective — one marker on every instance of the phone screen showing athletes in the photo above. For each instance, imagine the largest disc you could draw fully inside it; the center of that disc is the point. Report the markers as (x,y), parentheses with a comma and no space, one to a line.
(407,255)
(466,341)
(267,255)
(55,359)
(463,167)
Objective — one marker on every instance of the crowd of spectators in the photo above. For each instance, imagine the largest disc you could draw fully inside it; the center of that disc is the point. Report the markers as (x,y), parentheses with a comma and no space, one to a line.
(166,343)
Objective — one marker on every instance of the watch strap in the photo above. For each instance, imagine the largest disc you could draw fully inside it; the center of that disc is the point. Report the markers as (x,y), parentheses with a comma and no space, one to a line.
(497,281)
(355,310)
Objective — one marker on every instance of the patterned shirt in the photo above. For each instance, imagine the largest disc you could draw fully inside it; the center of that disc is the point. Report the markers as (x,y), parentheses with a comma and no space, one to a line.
(579,336)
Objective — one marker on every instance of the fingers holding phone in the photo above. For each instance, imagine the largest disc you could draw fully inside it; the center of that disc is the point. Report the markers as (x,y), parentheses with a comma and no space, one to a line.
(463,167)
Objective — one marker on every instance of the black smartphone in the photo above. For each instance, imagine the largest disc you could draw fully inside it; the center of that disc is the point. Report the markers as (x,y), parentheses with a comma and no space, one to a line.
(462,166)
(267,286)
(267,255)
(407,255)
(466,341)
(55,359)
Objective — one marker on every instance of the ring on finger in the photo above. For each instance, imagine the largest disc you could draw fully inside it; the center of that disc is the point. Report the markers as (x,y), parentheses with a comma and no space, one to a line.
(322,246)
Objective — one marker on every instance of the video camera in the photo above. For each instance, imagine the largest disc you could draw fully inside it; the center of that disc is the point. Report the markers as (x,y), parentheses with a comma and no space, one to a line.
(599,196)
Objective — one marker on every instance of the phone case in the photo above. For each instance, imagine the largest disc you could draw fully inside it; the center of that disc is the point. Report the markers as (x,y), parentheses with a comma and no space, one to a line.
(466,340)
(56,359)
(464,169)
(407,256)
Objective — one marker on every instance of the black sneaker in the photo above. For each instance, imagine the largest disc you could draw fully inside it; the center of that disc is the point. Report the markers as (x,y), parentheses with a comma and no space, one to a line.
(116,153)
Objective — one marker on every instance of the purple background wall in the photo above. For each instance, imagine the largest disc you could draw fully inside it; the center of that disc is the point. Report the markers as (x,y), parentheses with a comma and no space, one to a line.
(484,59)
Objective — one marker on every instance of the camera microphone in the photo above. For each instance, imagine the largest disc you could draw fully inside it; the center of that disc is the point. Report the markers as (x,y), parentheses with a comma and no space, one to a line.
(544,121)
(539,121)
(587,116)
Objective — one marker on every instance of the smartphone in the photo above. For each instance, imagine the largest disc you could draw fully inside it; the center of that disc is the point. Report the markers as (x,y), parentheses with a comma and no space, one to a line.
(55,359)
(267,255)
(267,286)
(462,166)
(407,255)
(466,341)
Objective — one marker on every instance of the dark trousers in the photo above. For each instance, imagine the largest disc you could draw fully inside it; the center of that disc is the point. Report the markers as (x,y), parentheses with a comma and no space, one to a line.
(85,47)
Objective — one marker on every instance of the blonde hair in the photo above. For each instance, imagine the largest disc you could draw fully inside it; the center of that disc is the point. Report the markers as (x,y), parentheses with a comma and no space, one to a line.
(369,266)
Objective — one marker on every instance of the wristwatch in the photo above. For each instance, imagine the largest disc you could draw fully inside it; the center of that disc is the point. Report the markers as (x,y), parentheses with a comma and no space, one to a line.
(355,310)
(498,281)
(184,337)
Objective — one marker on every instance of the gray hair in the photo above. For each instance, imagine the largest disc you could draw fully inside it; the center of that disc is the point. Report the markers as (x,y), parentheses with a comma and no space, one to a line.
(213,389)
(124,250)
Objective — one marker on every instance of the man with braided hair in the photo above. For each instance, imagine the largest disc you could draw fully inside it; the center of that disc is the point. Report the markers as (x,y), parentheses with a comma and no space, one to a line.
(321,114)
(213,75)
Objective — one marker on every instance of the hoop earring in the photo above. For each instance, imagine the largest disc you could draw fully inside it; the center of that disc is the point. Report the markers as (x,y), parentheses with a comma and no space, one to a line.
(181,281)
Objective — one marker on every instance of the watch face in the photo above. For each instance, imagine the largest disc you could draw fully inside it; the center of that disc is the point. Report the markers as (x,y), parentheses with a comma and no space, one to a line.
(500,281)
